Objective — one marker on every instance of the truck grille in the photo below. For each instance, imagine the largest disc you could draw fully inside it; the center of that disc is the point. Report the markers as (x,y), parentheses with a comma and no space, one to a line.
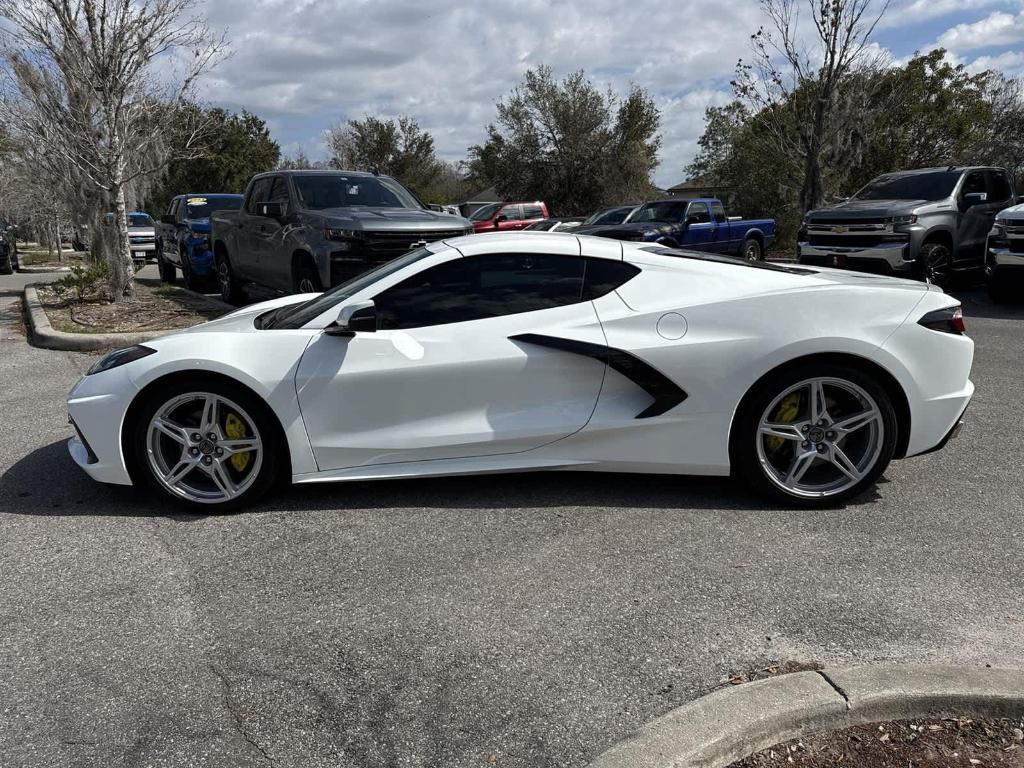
(843,241)
(392,244)
(141,239)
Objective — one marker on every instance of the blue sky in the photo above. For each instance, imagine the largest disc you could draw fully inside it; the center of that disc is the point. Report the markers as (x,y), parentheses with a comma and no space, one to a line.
(304,65)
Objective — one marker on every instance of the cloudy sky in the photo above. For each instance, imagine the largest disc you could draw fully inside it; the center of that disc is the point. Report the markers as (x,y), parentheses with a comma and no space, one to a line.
(304,65)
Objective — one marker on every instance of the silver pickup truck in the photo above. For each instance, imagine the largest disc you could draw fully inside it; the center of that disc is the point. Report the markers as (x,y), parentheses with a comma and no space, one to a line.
(928,223)
(1004,259)
(306,231)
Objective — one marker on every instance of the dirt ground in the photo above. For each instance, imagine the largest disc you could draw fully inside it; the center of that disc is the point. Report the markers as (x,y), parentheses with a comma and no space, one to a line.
(904,744)
(154,308)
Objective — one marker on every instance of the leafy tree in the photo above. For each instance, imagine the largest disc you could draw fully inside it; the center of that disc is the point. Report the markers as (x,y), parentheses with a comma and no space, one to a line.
(569,144)
(398,148)
(231,148)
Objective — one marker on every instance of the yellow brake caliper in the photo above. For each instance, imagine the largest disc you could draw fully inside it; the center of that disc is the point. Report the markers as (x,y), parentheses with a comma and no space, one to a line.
(786,413)
(234,428)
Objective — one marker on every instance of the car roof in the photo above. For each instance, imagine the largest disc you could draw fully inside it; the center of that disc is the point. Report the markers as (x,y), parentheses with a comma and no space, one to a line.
(320,172)
(942,169)
(209,194)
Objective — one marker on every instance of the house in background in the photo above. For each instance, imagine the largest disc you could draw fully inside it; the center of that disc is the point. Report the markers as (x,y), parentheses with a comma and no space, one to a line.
(699,187)
(479,200)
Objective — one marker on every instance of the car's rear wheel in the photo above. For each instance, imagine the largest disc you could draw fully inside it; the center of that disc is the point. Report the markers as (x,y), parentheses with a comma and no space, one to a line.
(230,291)
(206,443)
(192,281)
(752,250)
(815,435)
(168,272)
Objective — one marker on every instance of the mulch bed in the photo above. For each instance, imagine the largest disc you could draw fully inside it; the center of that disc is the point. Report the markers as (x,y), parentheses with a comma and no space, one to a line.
(154,308)
(903,744)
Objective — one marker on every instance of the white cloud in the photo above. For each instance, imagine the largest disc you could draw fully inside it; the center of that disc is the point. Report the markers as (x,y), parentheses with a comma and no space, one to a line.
(1010,63)
(996,29)
(916,11)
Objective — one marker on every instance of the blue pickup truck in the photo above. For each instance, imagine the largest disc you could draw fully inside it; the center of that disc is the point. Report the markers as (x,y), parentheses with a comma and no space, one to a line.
(183,237)
(697,224)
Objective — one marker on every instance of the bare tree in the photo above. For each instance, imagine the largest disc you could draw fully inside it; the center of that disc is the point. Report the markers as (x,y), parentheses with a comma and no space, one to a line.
(94,82)
(806,93)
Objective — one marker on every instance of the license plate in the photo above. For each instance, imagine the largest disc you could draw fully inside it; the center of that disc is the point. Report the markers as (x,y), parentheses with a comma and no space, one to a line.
(138,254)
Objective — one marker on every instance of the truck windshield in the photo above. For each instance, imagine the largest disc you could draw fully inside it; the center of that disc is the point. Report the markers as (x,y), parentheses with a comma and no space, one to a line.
(297,315)
(321,191)
(668,211)
(139,220)
(202,207)
(934,185)
(486,213)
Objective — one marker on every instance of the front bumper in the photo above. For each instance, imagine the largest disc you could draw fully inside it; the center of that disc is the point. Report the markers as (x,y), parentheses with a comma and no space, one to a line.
(142,250)
(883,258)
(1002,262)
(96,408)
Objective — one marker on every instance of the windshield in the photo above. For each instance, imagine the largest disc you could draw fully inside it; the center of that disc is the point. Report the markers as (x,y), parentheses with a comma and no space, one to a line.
(139,220)
(934,185)
(298,315)
(485,213)
(322,191)
(669,211)
(202,207)
(613,216)
(543,225)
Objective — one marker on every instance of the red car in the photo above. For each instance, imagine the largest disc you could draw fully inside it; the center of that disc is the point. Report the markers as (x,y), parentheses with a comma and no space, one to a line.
(501,217)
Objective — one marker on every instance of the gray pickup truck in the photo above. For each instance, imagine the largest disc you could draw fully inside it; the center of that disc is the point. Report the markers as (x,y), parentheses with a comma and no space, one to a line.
(306,231)
(928,223)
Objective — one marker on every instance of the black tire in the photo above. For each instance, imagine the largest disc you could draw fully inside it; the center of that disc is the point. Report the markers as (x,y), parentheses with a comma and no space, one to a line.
(168,272)
(192,281)
(935,264)
(745,435)
(306,280)
(230,291)
(273,463)
(752,250)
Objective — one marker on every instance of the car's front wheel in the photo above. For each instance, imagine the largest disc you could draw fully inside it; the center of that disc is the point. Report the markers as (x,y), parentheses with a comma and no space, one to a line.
(206,443)
(230,291)
(935,264)
(814,435)
(168,272)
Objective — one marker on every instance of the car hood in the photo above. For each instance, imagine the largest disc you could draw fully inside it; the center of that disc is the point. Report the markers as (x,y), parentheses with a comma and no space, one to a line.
(241,320)
(404,219)
(868,210)
(627,231)
(197,225)
(1014,213)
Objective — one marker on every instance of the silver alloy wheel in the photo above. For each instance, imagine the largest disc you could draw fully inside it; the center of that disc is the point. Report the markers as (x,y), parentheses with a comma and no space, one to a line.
(224,276)
(752,251)
(192,452)
(820,437)
(306,285)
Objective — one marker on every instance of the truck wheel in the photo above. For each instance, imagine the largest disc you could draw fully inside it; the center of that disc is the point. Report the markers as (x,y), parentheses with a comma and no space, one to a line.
(935,264)
(752,249)
(230,291)
(307,280)
(168,272)
(192,281)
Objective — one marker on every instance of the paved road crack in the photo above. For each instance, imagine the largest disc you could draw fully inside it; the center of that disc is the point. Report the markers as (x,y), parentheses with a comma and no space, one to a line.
(229,702)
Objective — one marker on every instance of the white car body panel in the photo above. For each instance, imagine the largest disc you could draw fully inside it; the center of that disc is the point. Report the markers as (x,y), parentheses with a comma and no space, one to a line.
(464,398)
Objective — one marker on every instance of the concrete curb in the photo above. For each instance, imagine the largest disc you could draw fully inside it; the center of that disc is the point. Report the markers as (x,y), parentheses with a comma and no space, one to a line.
(30,270)
(732,723)
(42,334)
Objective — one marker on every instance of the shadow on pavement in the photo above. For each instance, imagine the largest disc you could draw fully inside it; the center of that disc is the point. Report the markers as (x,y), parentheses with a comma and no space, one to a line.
(976,303)
(47,482)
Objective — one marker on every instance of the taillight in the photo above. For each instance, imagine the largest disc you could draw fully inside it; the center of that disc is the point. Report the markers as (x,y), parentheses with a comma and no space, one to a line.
(948,320)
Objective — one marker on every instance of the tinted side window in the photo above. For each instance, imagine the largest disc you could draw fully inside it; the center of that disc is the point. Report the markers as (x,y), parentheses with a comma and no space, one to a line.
(718,212)
(477,287)
(533,212)
(604,276)
(173,209)
(975,182)
(698,212)
(511,213)
(278,191)
(999,187)
(260,193)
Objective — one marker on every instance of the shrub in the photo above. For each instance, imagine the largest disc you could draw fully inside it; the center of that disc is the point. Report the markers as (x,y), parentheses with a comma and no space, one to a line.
(84,280)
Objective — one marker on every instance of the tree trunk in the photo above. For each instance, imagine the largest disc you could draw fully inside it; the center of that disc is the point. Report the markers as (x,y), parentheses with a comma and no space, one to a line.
(812,193)
(56,230)
(122,271)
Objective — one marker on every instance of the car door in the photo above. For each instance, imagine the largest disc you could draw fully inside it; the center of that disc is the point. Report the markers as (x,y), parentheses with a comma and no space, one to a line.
(270,267)
(447,374)
(245,258)
(168,237)
(700,230)
(974,219)
(510,217)
(532,213)
(723,240)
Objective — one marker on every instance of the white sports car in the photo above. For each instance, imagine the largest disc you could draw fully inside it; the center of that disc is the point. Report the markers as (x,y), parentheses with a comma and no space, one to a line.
(529,351)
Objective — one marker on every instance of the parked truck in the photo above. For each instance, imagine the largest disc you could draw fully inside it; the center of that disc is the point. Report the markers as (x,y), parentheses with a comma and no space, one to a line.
(183,237)
(306,231)
(929,223)
(698,224)
(1004,259)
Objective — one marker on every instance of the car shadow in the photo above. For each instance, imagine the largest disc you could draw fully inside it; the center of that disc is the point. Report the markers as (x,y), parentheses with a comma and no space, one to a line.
(47,483)
(976,303)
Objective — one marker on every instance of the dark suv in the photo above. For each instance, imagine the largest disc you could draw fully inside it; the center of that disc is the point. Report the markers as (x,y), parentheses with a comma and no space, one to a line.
(928,223)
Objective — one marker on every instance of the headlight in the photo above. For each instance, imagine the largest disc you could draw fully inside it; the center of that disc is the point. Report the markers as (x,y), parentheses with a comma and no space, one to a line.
(999,223)
(897,221)
(119,357)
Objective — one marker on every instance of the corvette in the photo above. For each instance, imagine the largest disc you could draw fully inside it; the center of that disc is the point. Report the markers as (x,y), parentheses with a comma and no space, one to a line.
(531,351)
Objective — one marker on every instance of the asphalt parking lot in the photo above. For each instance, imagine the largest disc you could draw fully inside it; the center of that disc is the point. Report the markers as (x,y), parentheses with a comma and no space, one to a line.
(519,620)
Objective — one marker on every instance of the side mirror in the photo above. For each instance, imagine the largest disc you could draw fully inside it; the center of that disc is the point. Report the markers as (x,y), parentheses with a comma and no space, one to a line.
(168,218)
(500,218)
(353,318)
(975,198)
(270,210)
